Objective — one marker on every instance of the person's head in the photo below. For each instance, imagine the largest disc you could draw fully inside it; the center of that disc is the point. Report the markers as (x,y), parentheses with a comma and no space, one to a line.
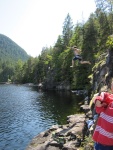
(74,47)
(103,89)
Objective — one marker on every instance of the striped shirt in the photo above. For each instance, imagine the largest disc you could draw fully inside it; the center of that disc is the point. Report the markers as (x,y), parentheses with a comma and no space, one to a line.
(103,133)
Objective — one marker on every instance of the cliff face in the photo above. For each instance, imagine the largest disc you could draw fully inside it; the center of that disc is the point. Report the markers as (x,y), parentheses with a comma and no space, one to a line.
(103,72)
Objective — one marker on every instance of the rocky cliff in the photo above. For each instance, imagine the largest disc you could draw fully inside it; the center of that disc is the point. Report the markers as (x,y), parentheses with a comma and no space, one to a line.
(102,72)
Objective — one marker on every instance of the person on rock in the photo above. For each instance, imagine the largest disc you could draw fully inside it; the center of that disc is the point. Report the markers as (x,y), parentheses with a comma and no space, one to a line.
(103,133)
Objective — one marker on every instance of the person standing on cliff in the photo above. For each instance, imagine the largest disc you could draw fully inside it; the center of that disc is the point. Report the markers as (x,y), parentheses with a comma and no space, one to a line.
(103,133)
(77,56)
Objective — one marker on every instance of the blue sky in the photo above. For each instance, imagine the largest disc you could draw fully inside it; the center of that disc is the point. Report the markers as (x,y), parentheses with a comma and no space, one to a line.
(34,24)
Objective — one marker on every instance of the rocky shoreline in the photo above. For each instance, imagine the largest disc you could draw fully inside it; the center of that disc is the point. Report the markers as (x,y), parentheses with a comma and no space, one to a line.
(75,132)
(64,137)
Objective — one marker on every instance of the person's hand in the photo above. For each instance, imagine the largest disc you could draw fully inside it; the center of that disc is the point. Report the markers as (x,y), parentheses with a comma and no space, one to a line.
(100,104)
(104,104)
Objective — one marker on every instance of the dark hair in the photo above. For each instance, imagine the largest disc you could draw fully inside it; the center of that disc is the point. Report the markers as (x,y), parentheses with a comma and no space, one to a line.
(74,46)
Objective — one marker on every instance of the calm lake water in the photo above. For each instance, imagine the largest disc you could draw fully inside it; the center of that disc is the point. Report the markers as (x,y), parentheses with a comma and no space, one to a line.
(25,112)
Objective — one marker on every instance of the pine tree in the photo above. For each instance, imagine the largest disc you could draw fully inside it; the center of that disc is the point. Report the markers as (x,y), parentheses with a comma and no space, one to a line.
(104,5)
(67,30)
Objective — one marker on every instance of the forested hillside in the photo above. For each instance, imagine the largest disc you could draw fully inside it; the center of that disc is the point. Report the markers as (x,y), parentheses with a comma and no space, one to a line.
(11,55)
(52,67)
(10,51)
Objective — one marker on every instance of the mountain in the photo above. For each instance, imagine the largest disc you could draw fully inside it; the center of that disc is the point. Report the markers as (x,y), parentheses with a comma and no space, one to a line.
(10,51)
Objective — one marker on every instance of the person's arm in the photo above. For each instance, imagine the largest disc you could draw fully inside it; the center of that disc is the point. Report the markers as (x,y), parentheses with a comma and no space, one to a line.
(105,97)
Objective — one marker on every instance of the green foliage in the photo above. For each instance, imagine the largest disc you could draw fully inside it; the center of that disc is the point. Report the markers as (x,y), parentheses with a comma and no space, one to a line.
(10,54)
(67,31)
(54,62)
(64,63)
(48,59)
(109,42)
(77,37)
(6,72)
(10,51)
(88,143)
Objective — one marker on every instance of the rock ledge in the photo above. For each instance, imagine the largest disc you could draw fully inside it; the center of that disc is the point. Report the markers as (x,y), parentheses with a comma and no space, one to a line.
(62,137)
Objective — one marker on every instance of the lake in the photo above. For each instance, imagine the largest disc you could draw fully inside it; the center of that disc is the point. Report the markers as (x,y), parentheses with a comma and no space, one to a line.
(26,111)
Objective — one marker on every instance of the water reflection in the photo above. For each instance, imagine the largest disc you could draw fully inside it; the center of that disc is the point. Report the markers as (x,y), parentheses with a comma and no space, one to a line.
(25,112)
(58,105)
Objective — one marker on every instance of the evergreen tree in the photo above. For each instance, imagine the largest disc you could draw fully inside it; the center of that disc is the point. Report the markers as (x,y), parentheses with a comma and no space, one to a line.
(67,30)
(104,5)
(110,20)
(89,47)
(103,30)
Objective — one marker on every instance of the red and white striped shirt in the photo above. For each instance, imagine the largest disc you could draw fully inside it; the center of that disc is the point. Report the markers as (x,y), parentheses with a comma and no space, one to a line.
(103,133)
